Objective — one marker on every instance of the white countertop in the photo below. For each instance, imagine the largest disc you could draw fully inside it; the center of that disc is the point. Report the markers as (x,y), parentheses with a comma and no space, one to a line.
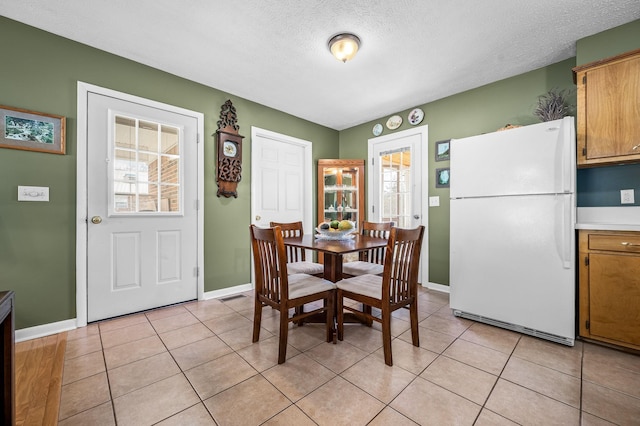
(609,218)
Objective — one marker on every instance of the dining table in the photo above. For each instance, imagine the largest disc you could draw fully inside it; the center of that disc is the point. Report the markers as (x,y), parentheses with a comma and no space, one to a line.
(333,250)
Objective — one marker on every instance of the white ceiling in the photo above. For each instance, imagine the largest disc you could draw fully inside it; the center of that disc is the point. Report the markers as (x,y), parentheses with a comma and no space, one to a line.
(274,52)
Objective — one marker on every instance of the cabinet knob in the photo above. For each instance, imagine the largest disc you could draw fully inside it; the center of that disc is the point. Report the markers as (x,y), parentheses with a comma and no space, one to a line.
(635,147)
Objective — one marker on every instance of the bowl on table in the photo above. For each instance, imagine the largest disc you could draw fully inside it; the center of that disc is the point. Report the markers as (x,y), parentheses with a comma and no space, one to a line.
(335,234)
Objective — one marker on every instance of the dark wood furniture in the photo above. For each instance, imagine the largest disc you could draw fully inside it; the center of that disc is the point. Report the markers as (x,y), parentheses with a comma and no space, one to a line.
(369,261)
(296,258)
(397,288)
(274,287)
(334,250)
(8,351)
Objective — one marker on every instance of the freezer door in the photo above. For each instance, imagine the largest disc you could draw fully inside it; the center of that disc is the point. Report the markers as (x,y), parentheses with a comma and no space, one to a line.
(512,260)
(535,159)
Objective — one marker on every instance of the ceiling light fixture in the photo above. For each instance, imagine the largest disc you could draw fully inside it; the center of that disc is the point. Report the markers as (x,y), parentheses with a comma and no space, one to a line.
(344,46)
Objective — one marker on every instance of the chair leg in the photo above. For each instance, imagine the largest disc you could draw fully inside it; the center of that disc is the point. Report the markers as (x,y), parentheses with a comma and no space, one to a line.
(367,310)
(386,336)
(340,314)
(257,319)
(330,315)
(413,315)
(284,334)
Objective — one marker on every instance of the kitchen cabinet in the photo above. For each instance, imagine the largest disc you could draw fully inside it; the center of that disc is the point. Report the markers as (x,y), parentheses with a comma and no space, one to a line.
(341,190)
(608,112)
(609,287)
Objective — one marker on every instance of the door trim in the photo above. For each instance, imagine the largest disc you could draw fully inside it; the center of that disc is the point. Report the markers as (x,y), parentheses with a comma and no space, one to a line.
(81,187)
(423,132)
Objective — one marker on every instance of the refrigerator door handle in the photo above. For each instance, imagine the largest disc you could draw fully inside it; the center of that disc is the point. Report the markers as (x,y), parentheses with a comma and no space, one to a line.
(565,232)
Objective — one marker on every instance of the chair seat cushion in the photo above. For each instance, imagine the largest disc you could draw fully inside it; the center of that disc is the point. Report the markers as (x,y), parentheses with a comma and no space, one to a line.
(303,285)
(362,268)
(367,285)
(305,267)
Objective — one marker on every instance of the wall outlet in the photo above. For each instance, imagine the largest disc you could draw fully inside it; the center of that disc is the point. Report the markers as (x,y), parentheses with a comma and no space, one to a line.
(627,196)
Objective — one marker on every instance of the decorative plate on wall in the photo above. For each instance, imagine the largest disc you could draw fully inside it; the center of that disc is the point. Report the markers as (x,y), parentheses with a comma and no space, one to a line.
(415,116)
(394,122)
(377,129)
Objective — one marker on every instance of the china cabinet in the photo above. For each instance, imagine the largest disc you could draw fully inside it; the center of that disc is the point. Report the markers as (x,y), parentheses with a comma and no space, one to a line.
(607,110)
(341,190)
(609,287)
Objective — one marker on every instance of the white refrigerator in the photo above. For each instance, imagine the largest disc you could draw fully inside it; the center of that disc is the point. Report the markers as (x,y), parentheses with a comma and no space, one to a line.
(512,247)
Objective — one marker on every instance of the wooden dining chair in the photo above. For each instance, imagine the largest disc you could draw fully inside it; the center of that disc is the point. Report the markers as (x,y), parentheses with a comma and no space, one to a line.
(369,261)
(276,288)
(296,257)
(397,288)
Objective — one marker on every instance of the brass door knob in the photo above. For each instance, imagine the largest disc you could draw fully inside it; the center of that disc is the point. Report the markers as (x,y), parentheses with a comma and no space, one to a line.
(258,217)
(96,220)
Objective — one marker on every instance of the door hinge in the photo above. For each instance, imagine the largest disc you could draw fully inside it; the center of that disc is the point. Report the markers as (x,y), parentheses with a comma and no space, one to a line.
(586,261)
(197,204)
(584,79)
(587,324)
(198,138)
(372,161)
(373,209)
(584,151)
(197,271)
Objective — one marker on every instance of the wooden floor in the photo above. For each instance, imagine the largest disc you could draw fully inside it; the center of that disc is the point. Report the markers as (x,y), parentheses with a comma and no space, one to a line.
(38,368)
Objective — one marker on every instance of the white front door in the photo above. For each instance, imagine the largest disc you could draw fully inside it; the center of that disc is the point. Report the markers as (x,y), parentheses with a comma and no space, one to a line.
(142,216)
(396,177)
(281,175)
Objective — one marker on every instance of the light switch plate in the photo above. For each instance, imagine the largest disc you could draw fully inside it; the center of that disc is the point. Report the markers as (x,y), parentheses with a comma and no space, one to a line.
(627,196)
(33,193)
(434,201)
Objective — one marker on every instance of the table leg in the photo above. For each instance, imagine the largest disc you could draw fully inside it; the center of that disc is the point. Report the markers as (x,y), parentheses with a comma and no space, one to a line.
(332,267)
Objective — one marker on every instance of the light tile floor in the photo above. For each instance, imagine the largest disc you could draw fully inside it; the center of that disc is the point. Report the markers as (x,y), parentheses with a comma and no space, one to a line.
(194,364)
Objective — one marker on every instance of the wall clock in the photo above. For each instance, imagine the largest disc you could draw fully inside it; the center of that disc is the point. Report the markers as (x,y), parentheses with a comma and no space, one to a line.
(229,152)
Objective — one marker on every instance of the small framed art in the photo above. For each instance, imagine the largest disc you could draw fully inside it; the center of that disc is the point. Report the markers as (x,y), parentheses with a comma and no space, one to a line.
(443,177)
(31,130)
(442,150)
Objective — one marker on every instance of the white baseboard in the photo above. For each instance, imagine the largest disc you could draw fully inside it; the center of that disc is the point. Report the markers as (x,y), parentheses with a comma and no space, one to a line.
(216,294)
(437,287)
(45,330)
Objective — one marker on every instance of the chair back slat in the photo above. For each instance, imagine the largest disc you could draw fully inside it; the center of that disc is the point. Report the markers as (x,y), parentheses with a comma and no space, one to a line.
(400,278)
(376,230)
(270,263)
(293,229)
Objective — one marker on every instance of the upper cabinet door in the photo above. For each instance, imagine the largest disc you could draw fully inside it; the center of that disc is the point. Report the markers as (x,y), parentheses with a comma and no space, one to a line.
(609,111)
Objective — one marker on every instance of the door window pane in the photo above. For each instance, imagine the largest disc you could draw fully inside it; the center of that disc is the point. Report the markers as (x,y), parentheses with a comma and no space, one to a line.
(395,176)
(146,167)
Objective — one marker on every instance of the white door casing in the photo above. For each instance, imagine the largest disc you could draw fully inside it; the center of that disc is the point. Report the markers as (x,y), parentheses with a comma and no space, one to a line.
(414,141)
(132,262)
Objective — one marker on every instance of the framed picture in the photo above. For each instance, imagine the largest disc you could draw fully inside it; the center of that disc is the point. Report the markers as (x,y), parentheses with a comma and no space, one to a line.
(442,150)
(31,130)
(443,177)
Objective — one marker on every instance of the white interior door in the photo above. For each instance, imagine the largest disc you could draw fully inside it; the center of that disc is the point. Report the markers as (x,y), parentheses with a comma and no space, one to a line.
(141,206)
(397,170)
(281,179)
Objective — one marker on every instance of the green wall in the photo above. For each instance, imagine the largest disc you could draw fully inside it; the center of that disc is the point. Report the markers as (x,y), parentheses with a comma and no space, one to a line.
(37,240)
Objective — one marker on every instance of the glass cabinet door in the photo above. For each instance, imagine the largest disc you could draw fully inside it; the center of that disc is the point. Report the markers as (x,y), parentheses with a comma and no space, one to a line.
(341,190)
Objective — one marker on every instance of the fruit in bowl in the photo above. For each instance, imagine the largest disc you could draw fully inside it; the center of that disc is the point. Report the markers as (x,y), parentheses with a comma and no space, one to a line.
(336,228)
